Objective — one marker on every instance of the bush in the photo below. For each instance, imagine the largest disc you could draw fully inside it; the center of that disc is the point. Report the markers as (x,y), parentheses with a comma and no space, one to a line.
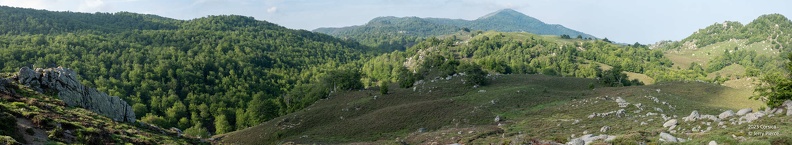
(473,74)
(776,88)
(384,88)
(8,140)
(343,79)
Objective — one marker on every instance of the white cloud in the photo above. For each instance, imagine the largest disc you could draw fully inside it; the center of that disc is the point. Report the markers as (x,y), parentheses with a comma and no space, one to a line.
(91,5)
(36,4)
(272,9)
(59,5)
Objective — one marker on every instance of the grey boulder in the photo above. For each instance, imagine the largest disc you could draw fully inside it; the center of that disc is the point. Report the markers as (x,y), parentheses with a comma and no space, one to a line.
(726,114)
(64,82)
(668,137)
(670,123)
(744,111)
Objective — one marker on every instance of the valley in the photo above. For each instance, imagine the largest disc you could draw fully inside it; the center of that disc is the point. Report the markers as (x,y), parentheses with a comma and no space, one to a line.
(501,78)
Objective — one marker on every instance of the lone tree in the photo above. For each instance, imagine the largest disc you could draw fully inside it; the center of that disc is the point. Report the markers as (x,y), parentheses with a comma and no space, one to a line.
(616,78)
(473,74)
(775,88)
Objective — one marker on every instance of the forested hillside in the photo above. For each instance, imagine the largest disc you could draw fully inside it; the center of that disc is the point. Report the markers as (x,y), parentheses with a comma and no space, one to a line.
(392,33)
(524,53)
(760,48)
(208,75)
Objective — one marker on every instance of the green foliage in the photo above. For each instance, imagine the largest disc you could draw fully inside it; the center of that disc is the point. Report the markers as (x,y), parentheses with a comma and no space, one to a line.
(473,74)
(616,78)
(222,125)
(170,68)
(140,108)
(385,34)
(154,119)
(8,124)
(406,78)
(760,29)
(606,40)
(197,131)
(384,88)
(344,79)
(7,140)
(775,87)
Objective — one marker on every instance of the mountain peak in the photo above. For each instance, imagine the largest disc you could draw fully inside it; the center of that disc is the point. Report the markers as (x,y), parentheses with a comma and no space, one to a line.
(510,13)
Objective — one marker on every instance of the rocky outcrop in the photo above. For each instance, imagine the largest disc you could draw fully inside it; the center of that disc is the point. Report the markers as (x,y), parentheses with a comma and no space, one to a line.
(788,105)
(64,82)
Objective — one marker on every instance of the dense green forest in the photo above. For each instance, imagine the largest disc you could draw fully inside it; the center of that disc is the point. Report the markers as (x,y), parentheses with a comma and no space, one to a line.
(518,53)
(391,33)
(213,74)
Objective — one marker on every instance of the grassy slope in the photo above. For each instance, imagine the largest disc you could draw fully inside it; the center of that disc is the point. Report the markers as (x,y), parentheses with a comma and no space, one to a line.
(683,57)
(51,122)
(533,106)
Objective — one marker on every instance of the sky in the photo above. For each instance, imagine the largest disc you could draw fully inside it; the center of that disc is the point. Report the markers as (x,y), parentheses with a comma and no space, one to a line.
(626,21)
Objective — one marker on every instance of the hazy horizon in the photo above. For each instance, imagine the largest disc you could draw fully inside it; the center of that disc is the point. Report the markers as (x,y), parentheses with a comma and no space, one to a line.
(618,20)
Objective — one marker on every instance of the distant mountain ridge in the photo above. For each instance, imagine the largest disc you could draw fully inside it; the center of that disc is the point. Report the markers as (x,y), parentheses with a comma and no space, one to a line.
(505,20)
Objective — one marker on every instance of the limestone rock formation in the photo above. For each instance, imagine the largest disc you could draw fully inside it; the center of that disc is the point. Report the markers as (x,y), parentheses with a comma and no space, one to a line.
(64,82)
(693,116)
(726,114)
(668,137)
(788,104)
(670,123)
(744,111)
(605,129)
(576,141)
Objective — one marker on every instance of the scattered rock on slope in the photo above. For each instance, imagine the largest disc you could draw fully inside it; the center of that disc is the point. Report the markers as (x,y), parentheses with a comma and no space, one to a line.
(64,82)
(744,111)
(605,129)
(693,116)
(726,114)
(576,141)
(670,123)
(668,137)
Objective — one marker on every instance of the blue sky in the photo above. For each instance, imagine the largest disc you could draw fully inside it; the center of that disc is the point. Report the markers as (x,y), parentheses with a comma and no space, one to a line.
(625,21)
